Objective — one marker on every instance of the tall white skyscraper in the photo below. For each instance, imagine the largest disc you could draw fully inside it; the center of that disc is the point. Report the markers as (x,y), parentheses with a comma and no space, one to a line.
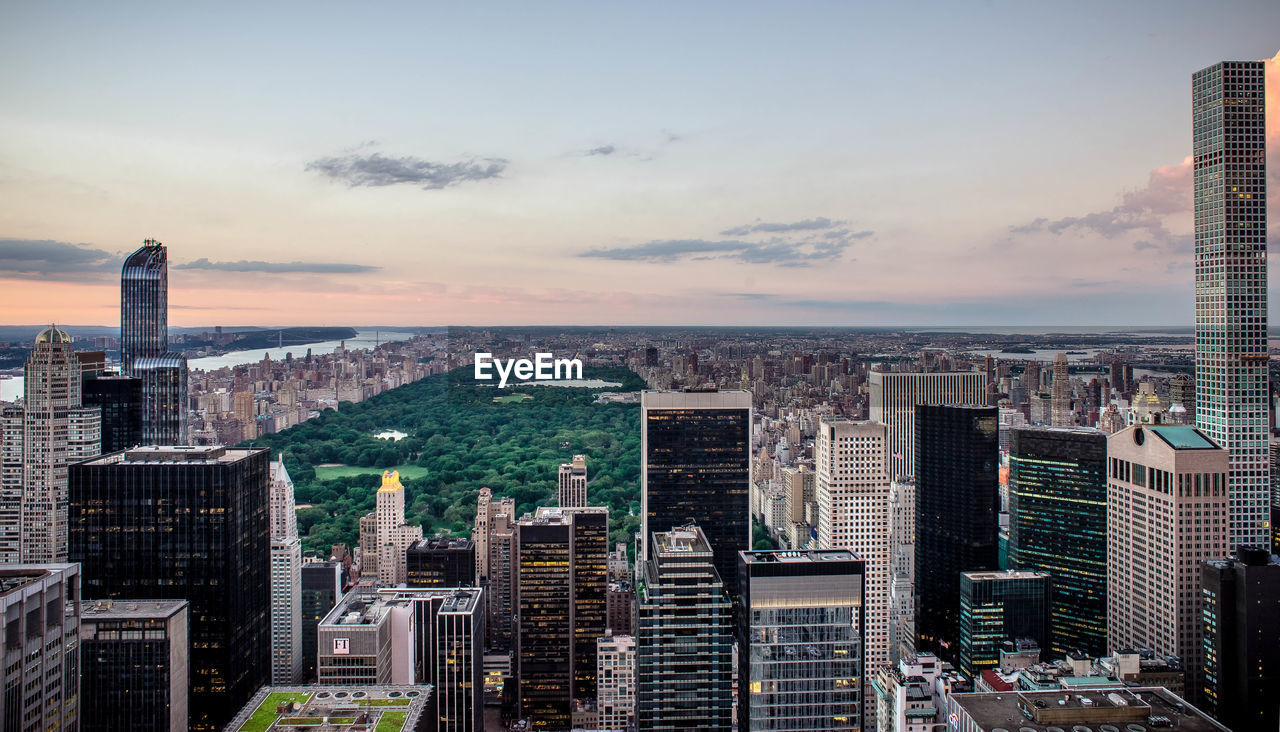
(286,579)
(902,569)
(895,395)
(1231,282)
(572,483)
(853,513)
(37,442)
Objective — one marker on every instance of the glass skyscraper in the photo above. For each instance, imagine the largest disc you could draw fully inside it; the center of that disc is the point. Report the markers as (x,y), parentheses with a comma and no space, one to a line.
(1058,525)
(996,607)
(1231,283)
(144,345)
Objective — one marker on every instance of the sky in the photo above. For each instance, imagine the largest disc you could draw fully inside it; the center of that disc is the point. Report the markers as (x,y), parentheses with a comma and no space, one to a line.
(735,163)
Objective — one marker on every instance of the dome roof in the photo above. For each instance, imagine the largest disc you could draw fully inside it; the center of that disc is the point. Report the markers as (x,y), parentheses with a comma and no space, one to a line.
(53,334)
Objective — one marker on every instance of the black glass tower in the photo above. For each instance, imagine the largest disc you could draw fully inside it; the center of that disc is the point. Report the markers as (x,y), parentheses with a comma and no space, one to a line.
(120,399)
(185,523)
(321,590)
(696,467)
(1242,639)
(1058,525)
(996,607)
(133,665)
(144,345)
(957,501)
(441,562)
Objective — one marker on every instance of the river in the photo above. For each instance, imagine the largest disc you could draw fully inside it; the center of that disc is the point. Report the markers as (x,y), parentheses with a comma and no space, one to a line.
(366,339)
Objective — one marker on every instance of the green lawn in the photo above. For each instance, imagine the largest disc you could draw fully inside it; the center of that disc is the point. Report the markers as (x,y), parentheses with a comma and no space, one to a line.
(391,722)
(265,715)
(347,471)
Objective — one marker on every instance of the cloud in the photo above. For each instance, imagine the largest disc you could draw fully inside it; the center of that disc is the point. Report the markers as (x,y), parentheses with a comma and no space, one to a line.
(780,252)
(279,267)
(772,228)
(55,260)
(376,170)
(602,150)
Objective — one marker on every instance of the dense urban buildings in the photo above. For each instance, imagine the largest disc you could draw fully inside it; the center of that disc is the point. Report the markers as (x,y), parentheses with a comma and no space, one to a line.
(956,506)
(800,648)
(695,466)
(571,483)
(213,552)
(133,665)
(1095,709)
(1232,386)
(895,396)
(995,607)
(1058,525)
(40,624)
(1242,639)
(1167,514)
(684,636)
(144,345)
(286,579)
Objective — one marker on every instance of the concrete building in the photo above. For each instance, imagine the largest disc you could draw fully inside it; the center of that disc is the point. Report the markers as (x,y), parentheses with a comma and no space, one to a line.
(1048,711)
(1242,639)
(501,577)
(800,648)
(912,693)
(486,508)
(286,579)
(895,395)
(366,639)
(40,624)
(133,665)
(902,569)
(388,535)
(1167,513)
(572,483)
(1060,394)
(616,682)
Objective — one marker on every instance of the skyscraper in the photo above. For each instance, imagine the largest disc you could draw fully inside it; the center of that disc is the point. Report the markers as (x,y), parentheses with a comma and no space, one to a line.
(895,395)
(120,400)
(1060,390)
(902,569)
(144,345)
(957,500)
(486,508)
(853,514)
(1058,525)
(684,637)
(50,431)
(572,483)
(996,607)
(191,523)
(286,579)
(800,660)
(441,562)
(616,682)
(1167,513)
(321,590)
(390,536)
(133,665)
(40,624)
(1231,282)
(1242,639)
(695,466)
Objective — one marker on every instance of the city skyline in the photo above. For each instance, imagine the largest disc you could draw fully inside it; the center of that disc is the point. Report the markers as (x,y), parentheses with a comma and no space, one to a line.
(765,168)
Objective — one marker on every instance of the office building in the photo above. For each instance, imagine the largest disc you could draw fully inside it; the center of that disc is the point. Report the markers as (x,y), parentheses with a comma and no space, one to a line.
(40,624)
(1231,283)
(441,562)
(321,590)
(853,514)
(684,637)
(1000,606)
(1125,709)
(212,550)
(119,401)
(695,466)
(1060,393)
(355,708)
(164,398)
(486,508)
(1058,525)
(385,537)
(133,665)
(560,605)
(40,439)
(459,661)
(500,587)
(367,639)
(902,569)
(896,394)
(1167,513)
(286,579)
(957,502)
(800,490)
(620,605)
(144,345)
(1242,639)
(911,693)
(572,483)
(616,682)
(800,649)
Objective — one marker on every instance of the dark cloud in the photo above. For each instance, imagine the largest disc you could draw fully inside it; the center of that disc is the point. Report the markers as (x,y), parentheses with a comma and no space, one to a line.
(376,170)
(279,267)
(767,227)
(602,150)
(55,260)
(777,251)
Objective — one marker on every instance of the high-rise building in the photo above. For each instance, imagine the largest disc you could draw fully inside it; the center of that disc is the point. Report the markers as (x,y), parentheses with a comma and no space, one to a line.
(144,345)
(902,569)
(695,466)
(800,659)
(501,589)
(996,607)
(40,624)
(895,396)
(1242,639)
(1167,513)
(286,579)
(957,502)
(1231,282)
(486,507)
(385,537)
(120,400)
(800,489)
(853,514)
(684,637)
(616,682)
(441,562)
(367,639)
(560,608)
(1058,525)
(133,665)
(572,483)
(212,552)
(321,590)
(1060,393)
(51,430)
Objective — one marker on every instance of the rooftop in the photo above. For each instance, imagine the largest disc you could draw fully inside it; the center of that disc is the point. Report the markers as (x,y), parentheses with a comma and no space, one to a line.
(1182,437)
(130,609)
(1099,710)
(343,708)
(172,454)
(798,555)
(1007,574)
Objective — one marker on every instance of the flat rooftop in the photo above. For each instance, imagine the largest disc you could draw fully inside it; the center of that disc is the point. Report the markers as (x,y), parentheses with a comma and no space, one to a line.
(175,454)
(130,609)
(798,556)
(1182,437)
(344,708)
(1148,709)
(1008,574)
(681,541)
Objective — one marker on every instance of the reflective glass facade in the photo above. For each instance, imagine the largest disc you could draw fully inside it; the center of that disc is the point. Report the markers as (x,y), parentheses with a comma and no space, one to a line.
(996,607)
(164,397)
(144,304)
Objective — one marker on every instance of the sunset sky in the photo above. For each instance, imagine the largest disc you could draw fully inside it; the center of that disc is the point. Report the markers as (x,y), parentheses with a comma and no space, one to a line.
(735,163)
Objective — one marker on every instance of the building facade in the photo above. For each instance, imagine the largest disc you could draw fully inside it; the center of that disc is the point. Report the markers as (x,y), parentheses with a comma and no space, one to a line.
(1242,639)
(133,661)
(894,396)
(144,345)
(286,579)
(441,562)
(385,537)
(616,682)
(40,623)
(571,483)
(902,569)
(321,589)
(1000,606)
